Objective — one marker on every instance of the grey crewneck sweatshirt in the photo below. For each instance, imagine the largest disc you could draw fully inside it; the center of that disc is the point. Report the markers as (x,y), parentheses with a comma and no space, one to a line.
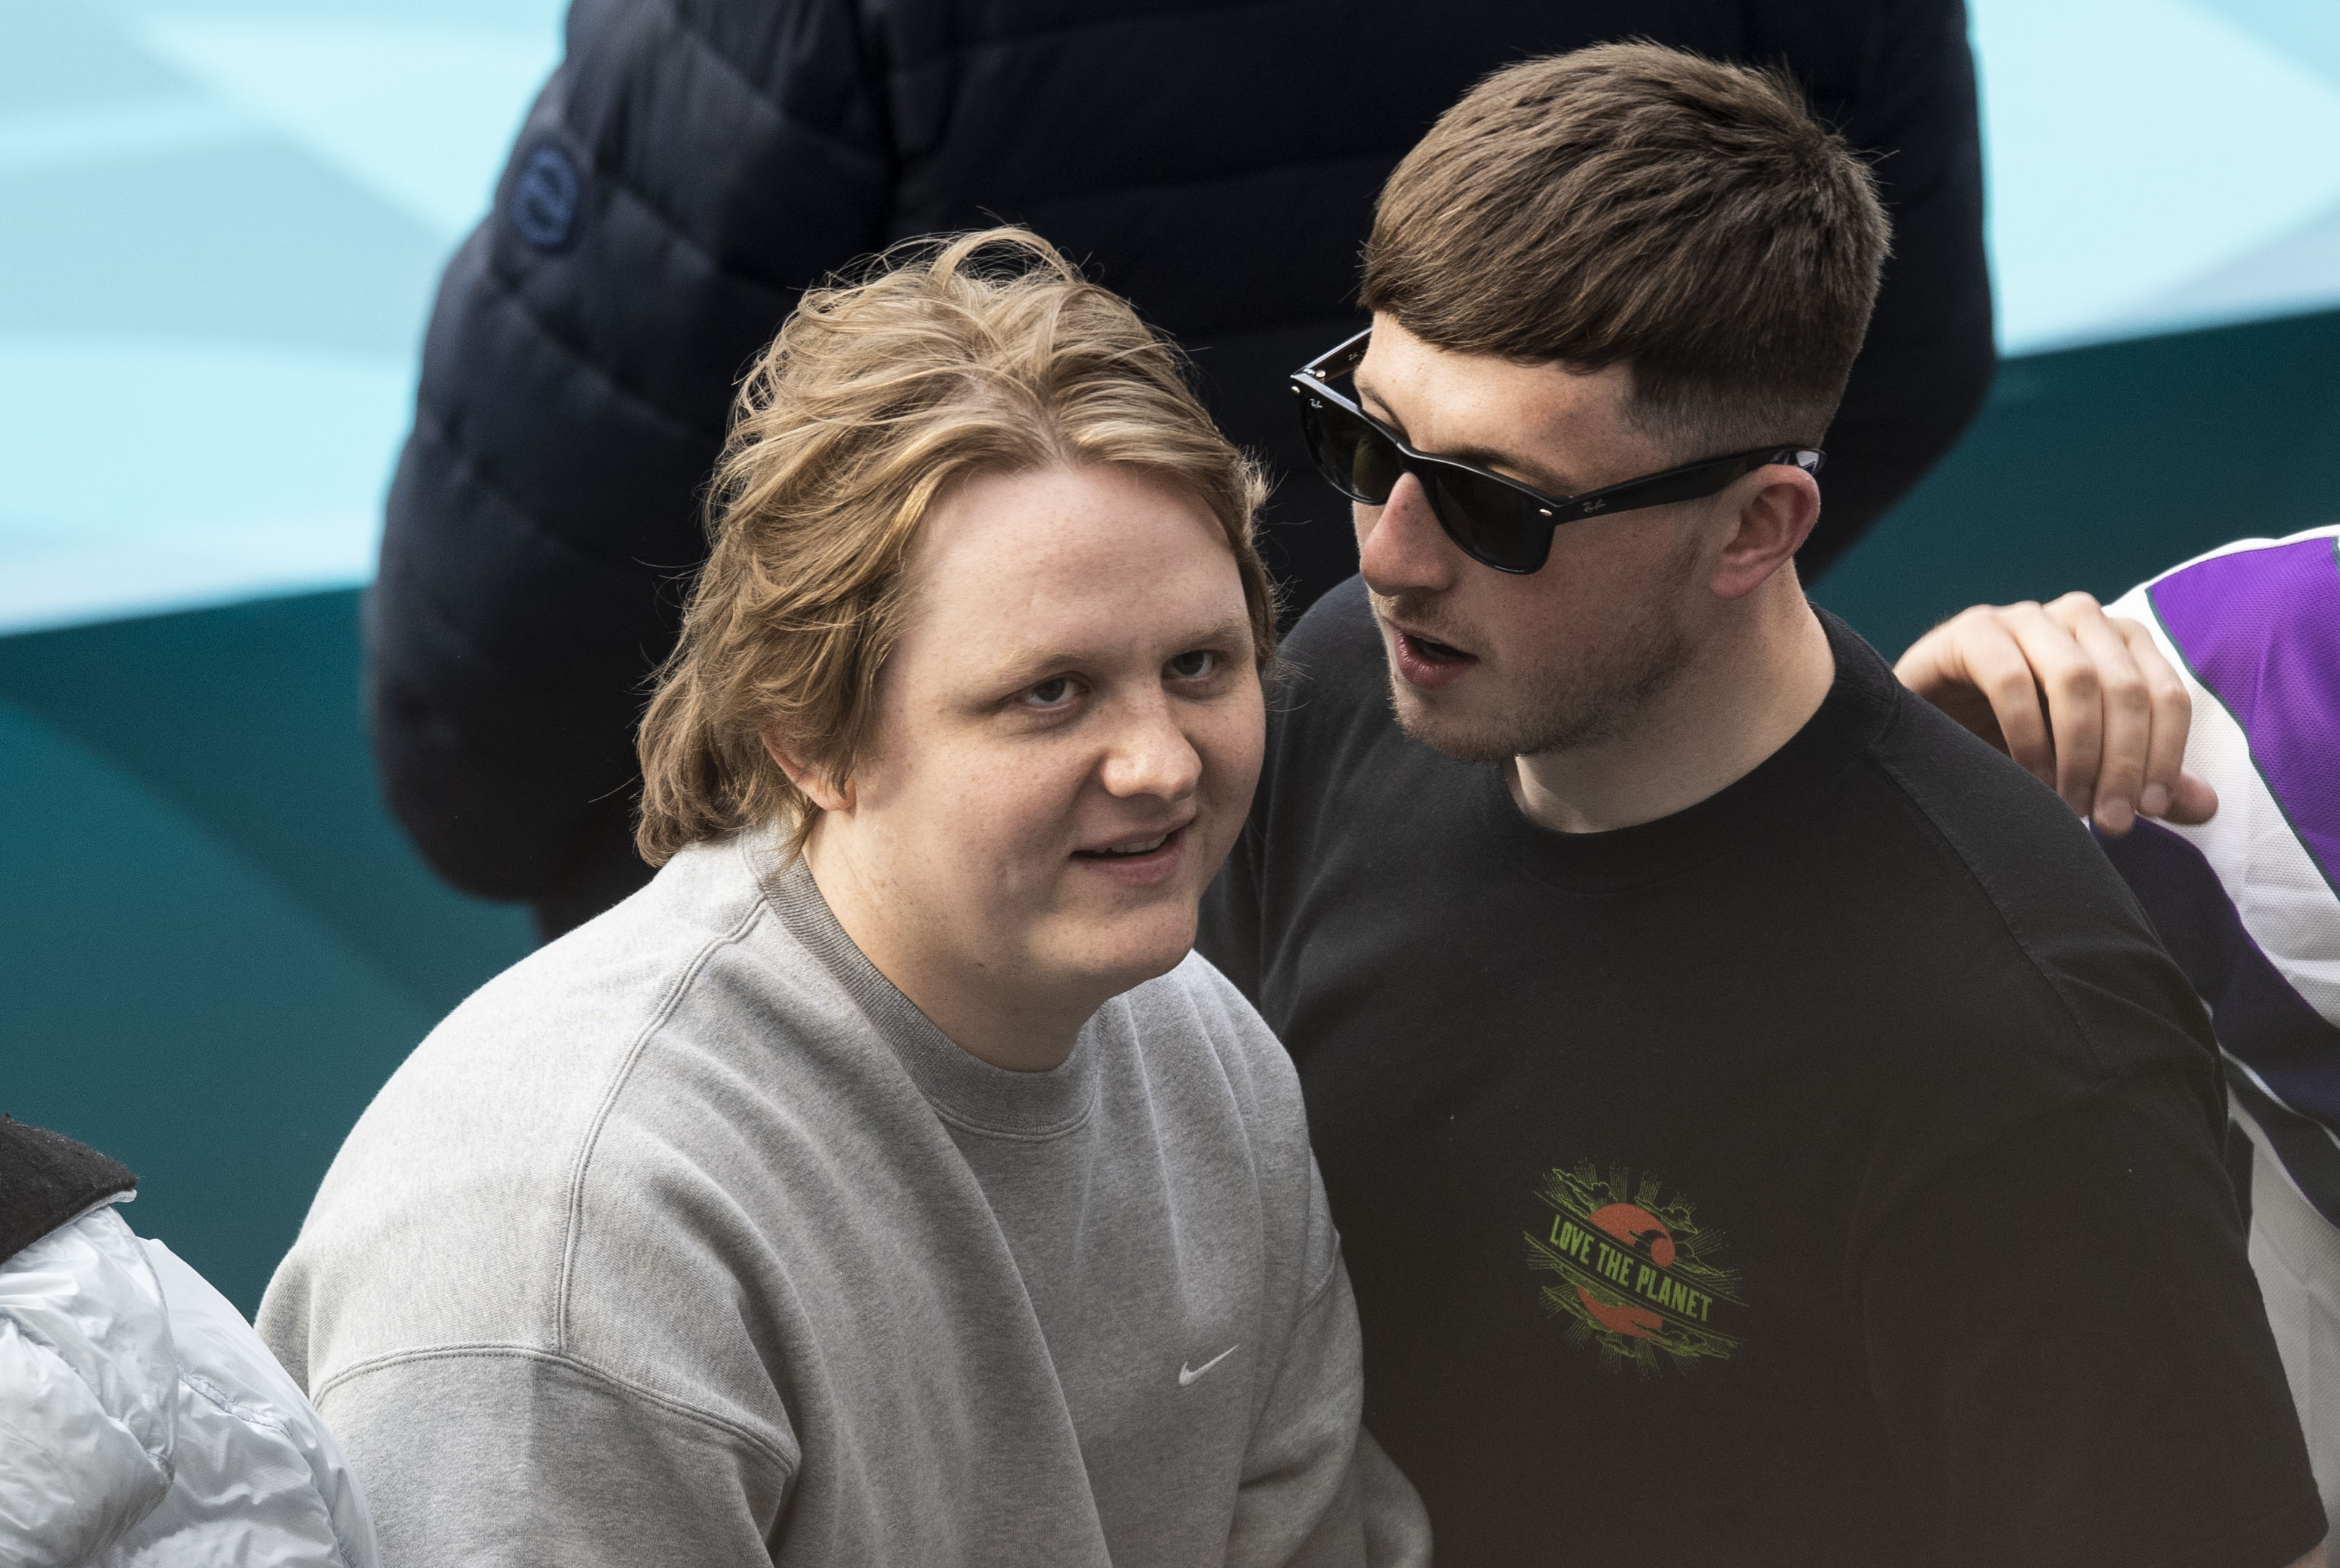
(690,1239)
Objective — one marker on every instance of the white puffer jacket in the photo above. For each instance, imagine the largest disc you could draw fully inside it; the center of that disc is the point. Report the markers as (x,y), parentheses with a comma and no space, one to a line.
(142,1422)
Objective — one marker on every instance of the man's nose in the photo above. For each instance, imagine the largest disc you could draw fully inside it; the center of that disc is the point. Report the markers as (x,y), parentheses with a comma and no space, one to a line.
(1151,755)
(1401,549)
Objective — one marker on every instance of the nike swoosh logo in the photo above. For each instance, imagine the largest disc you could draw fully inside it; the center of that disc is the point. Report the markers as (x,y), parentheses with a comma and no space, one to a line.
(1187,1374)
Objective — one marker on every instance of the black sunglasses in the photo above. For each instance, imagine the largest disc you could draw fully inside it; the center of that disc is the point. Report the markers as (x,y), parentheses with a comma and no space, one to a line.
(1496,522)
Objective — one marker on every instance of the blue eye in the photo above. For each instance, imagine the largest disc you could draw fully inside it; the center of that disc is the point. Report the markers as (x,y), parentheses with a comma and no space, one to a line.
(1193,666)
(1051,693)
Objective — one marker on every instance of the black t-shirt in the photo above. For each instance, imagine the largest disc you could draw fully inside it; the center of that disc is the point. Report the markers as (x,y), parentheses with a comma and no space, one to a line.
(1826,1174)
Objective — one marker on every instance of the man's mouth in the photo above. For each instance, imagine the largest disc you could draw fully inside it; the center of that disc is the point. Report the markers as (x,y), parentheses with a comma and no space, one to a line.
(1129,849)
(1425,663)
(1433,651)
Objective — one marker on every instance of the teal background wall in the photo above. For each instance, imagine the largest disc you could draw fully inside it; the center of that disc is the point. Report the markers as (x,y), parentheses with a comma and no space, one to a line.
(2096,467)
(215,946)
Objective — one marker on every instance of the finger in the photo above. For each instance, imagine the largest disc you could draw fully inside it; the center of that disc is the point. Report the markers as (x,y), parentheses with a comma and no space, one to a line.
(1947,666)
(1931,664)
(2192,802)
(1999,671)
(2067,686)
(1987,647)
(2125,708)
(2172,718)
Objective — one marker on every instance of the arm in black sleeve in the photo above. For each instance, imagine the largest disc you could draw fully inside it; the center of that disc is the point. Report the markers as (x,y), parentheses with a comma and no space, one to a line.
(2068,1353)
(1905,99)
(717,158)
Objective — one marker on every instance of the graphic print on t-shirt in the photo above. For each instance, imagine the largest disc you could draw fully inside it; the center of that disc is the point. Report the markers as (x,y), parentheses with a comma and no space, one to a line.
(1637,1272)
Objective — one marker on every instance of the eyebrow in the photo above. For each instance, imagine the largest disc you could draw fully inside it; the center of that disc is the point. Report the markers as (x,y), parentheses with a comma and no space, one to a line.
(1032,663)
(1532,473)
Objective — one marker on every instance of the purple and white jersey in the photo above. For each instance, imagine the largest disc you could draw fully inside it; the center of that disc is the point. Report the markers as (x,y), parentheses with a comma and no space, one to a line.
(2249,903)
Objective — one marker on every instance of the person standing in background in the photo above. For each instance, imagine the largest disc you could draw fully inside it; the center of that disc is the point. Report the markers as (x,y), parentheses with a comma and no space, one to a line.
(691,167)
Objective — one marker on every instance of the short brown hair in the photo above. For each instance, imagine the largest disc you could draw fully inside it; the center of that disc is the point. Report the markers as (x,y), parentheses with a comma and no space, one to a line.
(976,354)
(1639,206)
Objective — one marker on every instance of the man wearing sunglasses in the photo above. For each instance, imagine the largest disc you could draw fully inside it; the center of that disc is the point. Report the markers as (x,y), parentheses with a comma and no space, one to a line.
(1761,1128)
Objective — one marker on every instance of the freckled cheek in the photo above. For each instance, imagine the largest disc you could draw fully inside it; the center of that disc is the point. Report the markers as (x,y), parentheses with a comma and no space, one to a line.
(1016,812)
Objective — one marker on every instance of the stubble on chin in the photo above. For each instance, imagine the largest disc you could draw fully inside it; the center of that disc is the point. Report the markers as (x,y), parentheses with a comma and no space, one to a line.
(1501,713)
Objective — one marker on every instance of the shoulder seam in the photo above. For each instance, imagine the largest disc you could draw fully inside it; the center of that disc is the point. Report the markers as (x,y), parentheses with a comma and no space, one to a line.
(1317,1292)
(497,1350)
(574,1223)
(227,1403)
(2031,960)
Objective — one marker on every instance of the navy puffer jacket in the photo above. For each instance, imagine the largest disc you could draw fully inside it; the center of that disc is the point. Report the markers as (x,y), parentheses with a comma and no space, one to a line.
(695,164)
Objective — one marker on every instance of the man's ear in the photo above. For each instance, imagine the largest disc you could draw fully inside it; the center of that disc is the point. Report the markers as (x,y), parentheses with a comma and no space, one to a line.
(818,786)
(1774,517)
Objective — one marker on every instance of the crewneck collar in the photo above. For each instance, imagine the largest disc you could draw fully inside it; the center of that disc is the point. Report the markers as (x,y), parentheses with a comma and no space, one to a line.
(1775,798)
(962,1088)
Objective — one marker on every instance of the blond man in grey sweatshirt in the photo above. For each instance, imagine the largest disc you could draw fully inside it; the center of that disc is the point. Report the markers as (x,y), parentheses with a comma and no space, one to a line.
(886,1183)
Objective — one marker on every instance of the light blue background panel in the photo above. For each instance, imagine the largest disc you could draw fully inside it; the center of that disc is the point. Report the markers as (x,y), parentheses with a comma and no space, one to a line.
(2158,164)
(225,223)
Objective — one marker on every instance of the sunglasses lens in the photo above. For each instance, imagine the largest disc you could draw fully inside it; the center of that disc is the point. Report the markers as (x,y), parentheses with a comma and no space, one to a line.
(1492,522)
(1356,458)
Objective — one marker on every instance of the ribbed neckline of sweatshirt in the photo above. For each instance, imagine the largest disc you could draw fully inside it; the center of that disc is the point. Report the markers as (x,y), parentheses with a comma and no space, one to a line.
(962,1088)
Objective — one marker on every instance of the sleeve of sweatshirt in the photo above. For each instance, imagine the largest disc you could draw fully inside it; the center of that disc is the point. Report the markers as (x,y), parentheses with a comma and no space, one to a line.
(1309,1460)
(531,1457)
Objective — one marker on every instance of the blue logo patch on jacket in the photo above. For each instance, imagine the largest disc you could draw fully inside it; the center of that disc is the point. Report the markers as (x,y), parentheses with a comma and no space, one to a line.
(546,198)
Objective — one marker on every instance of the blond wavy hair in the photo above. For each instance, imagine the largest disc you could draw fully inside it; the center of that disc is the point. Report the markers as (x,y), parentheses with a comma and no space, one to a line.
(974,354)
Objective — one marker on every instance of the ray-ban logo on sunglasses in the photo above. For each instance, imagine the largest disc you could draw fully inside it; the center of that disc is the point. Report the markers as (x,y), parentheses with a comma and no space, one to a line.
(1596,504)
